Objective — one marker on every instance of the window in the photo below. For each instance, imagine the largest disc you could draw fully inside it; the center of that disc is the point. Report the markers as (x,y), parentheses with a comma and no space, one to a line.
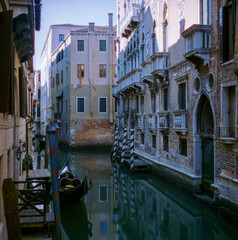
(102,70)
(102,45)
(115,70)
(103,227)
(227,19)
(80,105)
(182,96)
(102,105)
(142,138)
(165,99)
(61,37)
(205,12)
(57,78)
(153,103)
(142,104)
(38,110)
(62,75)
(165,143)
(183,146)
(80,70)
(153,141)
(39,93)
(228,112)
(103,193)
(80,45)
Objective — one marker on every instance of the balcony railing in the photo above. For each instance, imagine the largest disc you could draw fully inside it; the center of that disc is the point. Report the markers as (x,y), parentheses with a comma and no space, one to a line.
(129,79)
(152,121)
(163,120)
(180,120)
(197,43)
(146,75)
(160,64)
(140,121)
(130,20)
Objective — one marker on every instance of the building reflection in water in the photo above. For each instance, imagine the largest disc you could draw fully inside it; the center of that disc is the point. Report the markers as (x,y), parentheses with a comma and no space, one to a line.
(148,208)
(125,206)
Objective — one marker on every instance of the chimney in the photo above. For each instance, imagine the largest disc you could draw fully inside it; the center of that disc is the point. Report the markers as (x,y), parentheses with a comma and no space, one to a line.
(91,27)
(110,22)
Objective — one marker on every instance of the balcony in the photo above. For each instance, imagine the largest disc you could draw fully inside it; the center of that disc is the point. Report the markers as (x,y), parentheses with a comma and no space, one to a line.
(129,80)
(146,72)
(140,121)
(130,21)
(152,121)
(180,120)
(197,43)
(160,62)
(163,121)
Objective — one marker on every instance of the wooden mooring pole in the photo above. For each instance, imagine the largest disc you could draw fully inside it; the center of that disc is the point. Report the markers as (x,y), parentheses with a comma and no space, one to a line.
(10,200)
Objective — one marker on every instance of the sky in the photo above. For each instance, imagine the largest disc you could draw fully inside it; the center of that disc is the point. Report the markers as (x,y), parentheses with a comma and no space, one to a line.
(79,12)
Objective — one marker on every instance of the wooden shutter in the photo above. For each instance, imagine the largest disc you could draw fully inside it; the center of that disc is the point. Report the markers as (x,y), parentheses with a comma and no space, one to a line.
(22,93)
(6,61)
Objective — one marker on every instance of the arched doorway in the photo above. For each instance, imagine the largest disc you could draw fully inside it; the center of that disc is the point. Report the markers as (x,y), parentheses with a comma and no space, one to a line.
(205,129)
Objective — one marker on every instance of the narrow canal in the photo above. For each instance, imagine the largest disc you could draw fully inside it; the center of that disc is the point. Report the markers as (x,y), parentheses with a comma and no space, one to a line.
(126,206)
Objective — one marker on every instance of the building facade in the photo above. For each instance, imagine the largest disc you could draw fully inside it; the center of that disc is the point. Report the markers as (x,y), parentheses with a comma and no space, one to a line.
(177,77)
(82,74)
(18,20)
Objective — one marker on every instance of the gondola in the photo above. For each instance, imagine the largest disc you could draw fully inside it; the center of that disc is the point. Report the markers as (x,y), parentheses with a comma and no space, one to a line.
(71,188)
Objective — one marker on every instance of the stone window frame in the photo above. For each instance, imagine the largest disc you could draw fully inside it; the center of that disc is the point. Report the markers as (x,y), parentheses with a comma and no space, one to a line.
(102,97)
(99,193)
(196,91)
(180,147)
(77,105)
(78,46)
(223,87)
(207,81)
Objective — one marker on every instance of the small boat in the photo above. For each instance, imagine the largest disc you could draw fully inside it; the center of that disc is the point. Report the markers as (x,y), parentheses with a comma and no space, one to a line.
(71,188)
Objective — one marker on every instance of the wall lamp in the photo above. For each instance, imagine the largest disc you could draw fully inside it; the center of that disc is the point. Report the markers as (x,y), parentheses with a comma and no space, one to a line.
(18,152)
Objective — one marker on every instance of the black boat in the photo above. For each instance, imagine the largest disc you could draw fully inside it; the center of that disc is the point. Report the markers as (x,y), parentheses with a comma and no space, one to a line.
(71,188)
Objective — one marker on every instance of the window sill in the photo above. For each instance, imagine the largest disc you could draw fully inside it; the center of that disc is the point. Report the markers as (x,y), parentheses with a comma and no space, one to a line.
(229,141)
(227,63)
(235,180)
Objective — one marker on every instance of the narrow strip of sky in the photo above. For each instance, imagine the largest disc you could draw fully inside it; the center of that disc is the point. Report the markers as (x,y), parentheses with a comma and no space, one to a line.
(74,12)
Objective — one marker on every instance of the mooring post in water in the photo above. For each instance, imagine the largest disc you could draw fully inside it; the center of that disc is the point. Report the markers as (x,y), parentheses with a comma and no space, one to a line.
(115,143)
(124,145)
(54,176)
(11,210)
(132,148)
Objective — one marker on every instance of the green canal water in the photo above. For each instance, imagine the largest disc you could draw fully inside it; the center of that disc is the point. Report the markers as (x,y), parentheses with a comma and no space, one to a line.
(126,206)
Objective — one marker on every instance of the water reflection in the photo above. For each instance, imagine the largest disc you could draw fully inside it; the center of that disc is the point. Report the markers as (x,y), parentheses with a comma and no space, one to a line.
(127,206)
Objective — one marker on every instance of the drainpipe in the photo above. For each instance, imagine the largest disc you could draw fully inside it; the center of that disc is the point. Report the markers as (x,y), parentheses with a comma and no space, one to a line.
(30,120)
(111,55)
(90,30)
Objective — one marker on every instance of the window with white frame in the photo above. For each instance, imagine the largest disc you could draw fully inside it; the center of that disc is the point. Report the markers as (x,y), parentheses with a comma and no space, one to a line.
(228,112)
(61,37)
(102,46)
(102,105)
(103,227)
(103,193)
(80,45)
(80,105)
